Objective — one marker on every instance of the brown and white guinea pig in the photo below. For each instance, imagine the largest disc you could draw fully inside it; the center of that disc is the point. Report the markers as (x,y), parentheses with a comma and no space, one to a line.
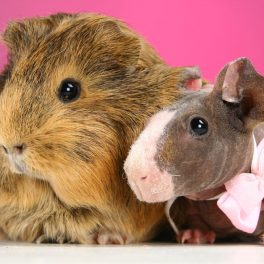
(192,148)
(76,94)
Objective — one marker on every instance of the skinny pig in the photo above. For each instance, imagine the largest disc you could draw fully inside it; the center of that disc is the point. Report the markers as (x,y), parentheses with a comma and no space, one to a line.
(202,147)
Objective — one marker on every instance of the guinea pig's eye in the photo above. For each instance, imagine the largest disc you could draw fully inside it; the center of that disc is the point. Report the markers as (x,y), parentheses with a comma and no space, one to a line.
(69,90)
(198,126)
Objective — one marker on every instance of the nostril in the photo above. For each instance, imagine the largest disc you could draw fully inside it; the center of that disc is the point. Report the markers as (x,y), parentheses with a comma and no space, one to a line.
(144,177)
(18,149)
(5,149)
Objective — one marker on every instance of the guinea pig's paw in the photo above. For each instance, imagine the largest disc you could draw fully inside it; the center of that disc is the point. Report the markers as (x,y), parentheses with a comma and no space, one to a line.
(196,236)
(261,239)
(43,239)
(105,238)
(89,239)
(3,236)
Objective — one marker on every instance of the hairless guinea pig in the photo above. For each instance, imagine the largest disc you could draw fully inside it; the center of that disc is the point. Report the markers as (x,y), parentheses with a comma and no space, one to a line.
(201,148)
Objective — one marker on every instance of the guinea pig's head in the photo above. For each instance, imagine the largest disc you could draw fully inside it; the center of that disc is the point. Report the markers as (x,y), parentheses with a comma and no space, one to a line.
(193,147)
(62,107)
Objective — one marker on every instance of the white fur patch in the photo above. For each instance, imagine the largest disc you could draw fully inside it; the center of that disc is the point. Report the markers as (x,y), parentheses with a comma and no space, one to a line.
(140,163)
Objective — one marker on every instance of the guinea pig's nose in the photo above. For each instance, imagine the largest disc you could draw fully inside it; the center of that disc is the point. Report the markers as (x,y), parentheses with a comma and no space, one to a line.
(16,149)
(19,148)
(143,178)
(5,149)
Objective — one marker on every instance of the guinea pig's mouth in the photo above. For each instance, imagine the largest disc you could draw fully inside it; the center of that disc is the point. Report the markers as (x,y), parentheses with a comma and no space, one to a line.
(136,190)
(20,169)
(17,165)
(152,192)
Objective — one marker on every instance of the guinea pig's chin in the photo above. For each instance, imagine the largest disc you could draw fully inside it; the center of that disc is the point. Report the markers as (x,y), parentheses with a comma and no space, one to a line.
(135,189)
(152,194)
(157,197)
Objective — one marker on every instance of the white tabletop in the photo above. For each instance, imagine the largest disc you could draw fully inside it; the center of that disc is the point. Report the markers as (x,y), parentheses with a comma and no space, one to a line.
(159,253)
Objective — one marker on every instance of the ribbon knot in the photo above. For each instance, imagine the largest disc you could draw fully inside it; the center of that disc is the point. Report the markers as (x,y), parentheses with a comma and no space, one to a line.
(242,200)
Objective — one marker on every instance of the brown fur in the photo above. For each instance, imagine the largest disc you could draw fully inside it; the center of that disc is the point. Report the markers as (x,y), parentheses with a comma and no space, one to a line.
(72,188)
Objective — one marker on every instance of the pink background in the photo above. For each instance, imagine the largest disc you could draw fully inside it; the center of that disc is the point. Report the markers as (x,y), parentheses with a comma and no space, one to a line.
(206,33)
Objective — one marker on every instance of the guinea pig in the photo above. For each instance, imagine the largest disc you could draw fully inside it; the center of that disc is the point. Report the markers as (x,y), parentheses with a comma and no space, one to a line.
(196,150)
(78,91)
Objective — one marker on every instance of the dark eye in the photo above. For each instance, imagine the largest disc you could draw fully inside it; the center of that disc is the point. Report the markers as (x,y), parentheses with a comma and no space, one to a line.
(69,90)
(199,126)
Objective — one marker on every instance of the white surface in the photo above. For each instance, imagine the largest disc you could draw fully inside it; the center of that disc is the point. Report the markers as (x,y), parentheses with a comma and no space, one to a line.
(30,253)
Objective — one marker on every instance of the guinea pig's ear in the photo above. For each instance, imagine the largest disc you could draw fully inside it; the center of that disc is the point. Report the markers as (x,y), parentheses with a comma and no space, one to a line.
(242,89)
(3,76)
(238,80)
(191,78)
(115,43)
(22,34)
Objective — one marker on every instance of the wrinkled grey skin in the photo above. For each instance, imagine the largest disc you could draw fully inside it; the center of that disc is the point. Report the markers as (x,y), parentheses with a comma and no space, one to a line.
(203,163)
(234,111)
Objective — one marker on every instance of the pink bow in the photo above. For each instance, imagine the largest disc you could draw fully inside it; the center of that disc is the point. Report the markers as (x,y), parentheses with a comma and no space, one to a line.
(244,194)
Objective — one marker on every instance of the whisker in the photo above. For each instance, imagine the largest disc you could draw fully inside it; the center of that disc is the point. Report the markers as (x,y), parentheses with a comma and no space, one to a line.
(175,175)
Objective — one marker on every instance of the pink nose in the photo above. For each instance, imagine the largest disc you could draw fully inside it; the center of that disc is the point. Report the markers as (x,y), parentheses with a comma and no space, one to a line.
(143,178)
(19,149)
(16,149)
